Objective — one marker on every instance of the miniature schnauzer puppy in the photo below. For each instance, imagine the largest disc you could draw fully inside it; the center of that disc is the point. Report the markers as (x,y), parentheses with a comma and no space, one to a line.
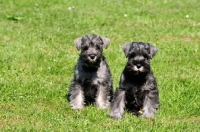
(92,83)
(138,91)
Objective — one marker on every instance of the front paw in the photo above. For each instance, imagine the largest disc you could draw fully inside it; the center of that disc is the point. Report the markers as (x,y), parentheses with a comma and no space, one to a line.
(103,105)
(116,116)
(148,113)
(77,107)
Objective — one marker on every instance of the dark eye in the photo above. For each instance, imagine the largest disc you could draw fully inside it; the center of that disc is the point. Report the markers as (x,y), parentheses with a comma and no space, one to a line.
(133,62)
(84,48)
(146,56)
(132,55)
(98,47)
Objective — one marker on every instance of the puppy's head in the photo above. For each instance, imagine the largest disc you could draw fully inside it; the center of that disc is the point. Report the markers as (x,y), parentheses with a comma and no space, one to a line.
(91,47)
(139,55)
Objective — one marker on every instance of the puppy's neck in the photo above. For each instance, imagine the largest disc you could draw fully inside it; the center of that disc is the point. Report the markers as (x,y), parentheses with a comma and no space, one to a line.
(90,67)
(135,77)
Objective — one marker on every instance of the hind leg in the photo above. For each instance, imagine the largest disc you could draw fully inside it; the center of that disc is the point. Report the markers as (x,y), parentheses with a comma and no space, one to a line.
(76,97)
(118,105)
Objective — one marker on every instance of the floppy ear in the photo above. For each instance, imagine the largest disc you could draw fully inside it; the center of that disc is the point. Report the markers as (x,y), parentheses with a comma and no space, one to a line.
(106,41)
(126,48)
(153,50)
(78,43)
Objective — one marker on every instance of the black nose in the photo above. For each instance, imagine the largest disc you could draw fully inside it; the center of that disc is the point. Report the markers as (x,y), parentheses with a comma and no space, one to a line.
(92,57)
(138,66)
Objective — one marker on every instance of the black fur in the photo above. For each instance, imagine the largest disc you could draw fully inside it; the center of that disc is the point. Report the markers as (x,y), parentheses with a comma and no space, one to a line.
(138,91)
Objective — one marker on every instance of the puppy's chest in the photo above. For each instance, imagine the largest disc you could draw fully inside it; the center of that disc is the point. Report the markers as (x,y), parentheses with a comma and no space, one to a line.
(90,84)
(91,78)
(136,91)
(89,88)
(135,96)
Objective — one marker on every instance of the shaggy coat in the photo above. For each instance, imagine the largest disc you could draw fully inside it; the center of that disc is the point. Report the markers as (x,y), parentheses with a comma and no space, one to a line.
(138,91)
(92,82)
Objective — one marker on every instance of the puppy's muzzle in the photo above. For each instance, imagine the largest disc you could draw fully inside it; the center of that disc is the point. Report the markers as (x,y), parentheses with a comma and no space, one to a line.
(138,68)
(92,57)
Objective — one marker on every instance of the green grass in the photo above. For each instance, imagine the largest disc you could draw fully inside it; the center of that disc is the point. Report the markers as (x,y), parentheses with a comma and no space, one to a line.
(37,58)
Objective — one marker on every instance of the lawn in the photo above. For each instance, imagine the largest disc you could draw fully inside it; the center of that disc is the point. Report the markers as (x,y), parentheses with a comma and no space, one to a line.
(37,59)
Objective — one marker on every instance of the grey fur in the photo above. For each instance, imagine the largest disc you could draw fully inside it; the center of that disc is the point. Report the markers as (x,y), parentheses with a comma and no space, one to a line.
(92,82)
(138,92)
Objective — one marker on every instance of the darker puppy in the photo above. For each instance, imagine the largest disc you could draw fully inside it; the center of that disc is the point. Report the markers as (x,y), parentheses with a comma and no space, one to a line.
(138,91)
